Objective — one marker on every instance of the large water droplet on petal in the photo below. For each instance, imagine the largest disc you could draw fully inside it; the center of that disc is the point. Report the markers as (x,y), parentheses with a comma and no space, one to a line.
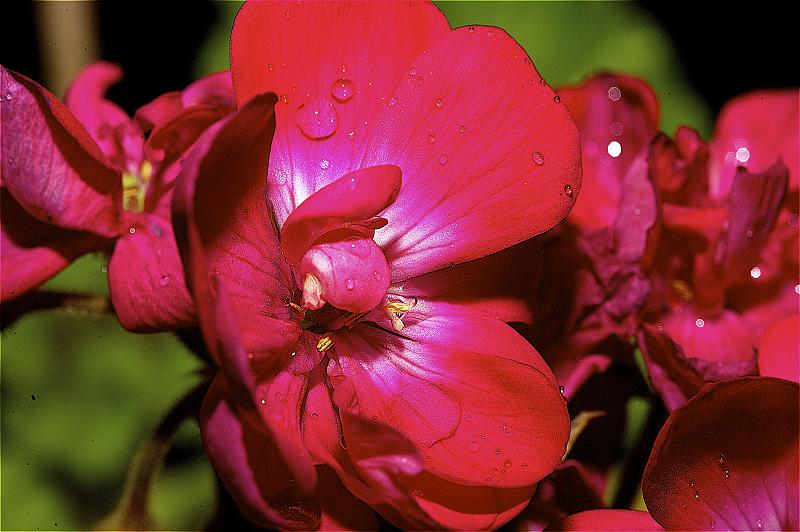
(164,281)
(568,190)
(538,158)
(343,89)
(317,119)
(324,164)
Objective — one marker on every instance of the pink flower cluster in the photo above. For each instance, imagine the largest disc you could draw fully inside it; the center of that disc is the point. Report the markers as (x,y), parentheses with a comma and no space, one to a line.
(350,217)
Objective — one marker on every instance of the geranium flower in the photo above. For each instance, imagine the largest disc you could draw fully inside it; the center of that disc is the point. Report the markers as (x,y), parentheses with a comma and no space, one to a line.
(85,177)
(400,148)
(728,459)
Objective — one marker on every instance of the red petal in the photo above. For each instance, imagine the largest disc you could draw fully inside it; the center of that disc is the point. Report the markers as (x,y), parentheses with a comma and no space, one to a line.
(779,351)
(307,49)
(162,108)
(477,190)
(356,197)
(475,398)
(633,520)
(249,464)
(608,108)
(728,459)
(215,90)
(33,252)
(754,131)
(146,281)
(340,509)
(51,165)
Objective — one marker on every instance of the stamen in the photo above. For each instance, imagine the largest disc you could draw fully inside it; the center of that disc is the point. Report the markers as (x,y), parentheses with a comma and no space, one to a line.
(325,343)
(297,308)
(312,292)
(134,187)
(394,310)
(683,289)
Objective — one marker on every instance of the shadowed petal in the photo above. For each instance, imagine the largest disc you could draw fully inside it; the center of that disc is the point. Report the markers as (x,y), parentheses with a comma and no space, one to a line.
(51,165)
(632,520)
(728,459)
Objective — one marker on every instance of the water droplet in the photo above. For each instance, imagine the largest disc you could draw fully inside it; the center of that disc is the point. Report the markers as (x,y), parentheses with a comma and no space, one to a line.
(616,128)
(132,230)
(420,80)
(614,149)
(474,446)
(727,473)
(392,101)
(349,284)
(462,129)
(293,354)
(343,89)
(104,269)
(743,154)
(696,494)
(568,190)
(538,158)
(284,98)
(251,355)
(270,68)
(439,103)
(793,219)
(759,523)
(245,211)
(263,401)
(412,72)
(471,29)
(614,93)
(797,289)
(691,483)
(324,164)
(507,463)
(351,135)
(8,96)
(557,98)
(497,451)
(524,464)
(749,233)
(755,273)
(313,415)
(343,68)
(164,281)
(700,322)
(561,390)
(490,33)
(432,138)
(483,436)
(416,493)
(10,158)
(721,458)
(637,211)
(443,159)
(317,119)
(660,327)
(287,14)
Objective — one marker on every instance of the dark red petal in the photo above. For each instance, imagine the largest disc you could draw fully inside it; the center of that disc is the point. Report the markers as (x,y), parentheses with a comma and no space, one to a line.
(728,459)
(33,252)
(471,188)
(51,165)
(249,464)
(608,108)
(754,131)
(473,396)
(603,520)
(779,350)
(341,510)
(146,280)
(356,197)
(308,49)
(635,223)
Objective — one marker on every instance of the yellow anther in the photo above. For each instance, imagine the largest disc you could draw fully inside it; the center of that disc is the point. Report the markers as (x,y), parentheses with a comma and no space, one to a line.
(297,308)
(683,289)
(394,309)
(146,171)
(134,187)
(325,343)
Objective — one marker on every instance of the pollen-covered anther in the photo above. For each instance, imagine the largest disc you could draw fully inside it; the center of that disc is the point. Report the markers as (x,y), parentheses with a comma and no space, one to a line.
(683,289)
(312,292)
(395,310)
(134,187)
(297,308)
(325,342)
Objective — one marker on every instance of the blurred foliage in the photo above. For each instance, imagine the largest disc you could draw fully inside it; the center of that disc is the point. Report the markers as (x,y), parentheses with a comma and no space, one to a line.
(79,394)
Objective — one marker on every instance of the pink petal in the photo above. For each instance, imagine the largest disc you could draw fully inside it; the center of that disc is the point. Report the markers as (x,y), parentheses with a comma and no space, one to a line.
(33,252)
(51,165)
(633,520)
(349,274)
(779,350)
(308,48)
(477,188)
(473,396)
(250,466)
(754,131)
(635,226)
(728,459)
(146,281)
(215,90)
(158,110)
(723,338)
(608,108)
(356,197)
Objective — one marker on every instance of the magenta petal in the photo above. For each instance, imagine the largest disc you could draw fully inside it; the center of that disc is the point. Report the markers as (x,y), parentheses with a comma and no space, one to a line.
(249,464)
(608,109)
(32,251)
(470,188)
(728,459)
(607,520)
(215,90)
(146,280)
(779,350)
(157,111)
(51,165)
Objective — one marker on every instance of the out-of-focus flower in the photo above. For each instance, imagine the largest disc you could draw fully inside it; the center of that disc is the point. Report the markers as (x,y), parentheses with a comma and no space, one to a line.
(83,176)
(728,459)
(400,148)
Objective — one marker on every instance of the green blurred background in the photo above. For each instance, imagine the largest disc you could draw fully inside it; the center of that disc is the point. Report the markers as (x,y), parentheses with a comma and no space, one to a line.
(79,393)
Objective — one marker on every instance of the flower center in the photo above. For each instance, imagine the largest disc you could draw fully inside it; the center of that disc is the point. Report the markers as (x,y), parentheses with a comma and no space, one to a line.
(134,187)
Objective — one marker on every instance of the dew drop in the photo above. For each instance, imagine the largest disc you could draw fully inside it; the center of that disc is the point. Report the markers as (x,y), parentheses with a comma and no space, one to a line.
(759,523)
(343,89)
(132,230)
(721,458)
(507,463)
(412,72)
(700,322)
(727,473)
(251,355)
(270,68)
(343,68)
(696,495)
(483,436)
(324,164)
(10,158)
(497,451)
(439,103)
(561,390)
(474,446)
(568,190)
(490,33)
(313,415)
(524,464)
(349,284)
(287,14)
(104,269)
(614,93)
(471,29)
(614,149)
(391,102)
(263,401)
(538,158)
(749,233)
(616,128)
(284,98)
(351,135)
(416,493)
(557,98)
(443,159)
(245,211)
(432,138)
(462,129)
(8,96)
(317,119)
(164,281)
(755,273)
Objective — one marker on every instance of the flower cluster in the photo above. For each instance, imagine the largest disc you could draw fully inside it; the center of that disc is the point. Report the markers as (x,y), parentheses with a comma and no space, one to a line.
(428,284)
